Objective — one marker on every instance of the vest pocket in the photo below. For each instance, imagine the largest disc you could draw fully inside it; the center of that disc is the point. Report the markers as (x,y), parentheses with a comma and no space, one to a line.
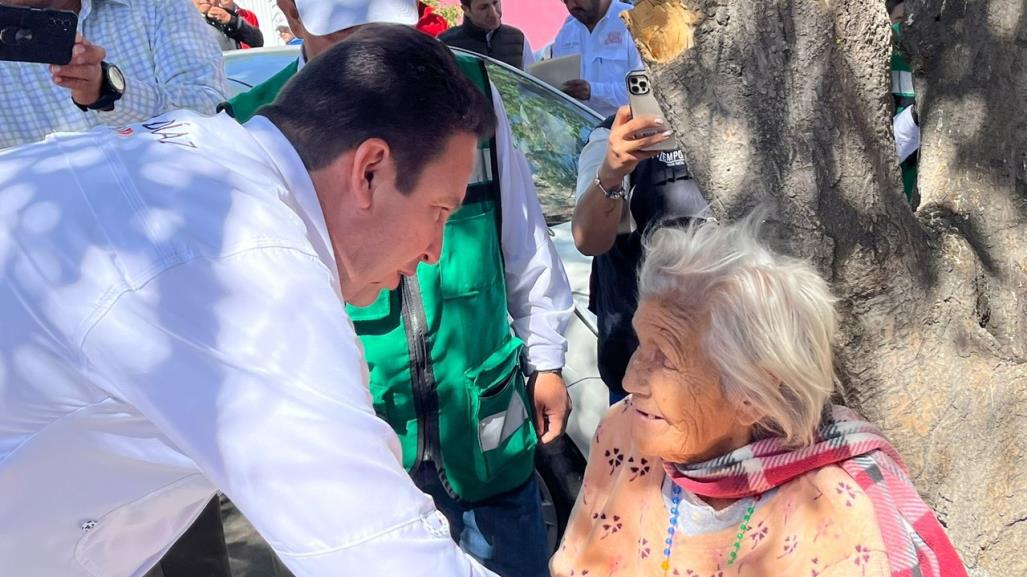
(500,407)
(471,262)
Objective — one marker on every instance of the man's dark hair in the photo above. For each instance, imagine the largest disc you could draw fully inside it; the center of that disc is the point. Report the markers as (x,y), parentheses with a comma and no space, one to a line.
(384,81)
(891,4)
(466,3)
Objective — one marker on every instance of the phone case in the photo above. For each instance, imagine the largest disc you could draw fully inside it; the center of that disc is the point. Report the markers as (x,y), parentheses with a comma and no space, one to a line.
(643,103)
(35,35)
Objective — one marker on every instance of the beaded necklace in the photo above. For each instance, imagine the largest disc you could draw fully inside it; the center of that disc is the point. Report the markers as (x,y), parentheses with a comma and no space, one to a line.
(675,501)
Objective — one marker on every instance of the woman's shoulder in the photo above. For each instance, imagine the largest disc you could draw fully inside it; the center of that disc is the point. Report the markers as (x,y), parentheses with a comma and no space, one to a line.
(614,429)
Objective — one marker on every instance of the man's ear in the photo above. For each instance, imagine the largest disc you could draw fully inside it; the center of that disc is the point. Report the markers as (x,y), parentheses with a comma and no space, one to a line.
(368,170)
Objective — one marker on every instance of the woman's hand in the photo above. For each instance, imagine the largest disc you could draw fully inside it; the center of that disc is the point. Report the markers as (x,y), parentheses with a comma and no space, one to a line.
(625,150)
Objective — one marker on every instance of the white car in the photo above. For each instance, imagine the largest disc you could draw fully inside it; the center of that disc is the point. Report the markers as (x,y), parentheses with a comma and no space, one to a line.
(550,128)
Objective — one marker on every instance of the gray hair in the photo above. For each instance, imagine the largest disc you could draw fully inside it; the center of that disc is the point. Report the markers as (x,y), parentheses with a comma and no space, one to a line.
(771,319)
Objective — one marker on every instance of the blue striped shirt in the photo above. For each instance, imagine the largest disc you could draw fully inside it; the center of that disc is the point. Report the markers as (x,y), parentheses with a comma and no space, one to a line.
(163,48)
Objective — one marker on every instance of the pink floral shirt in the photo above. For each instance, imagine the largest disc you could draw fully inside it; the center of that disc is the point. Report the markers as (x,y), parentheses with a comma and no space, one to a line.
(821,524)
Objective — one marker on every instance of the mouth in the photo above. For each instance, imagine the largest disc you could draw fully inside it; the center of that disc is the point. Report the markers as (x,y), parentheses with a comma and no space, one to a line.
(648,416)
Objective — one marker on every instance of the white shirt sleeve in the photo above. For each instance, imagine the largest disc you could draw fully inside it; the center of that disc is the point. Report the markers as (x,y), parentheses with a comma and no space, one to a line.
(907,134)
(529,55)
(188,71)
(591,158)
(248,365)
(538,292)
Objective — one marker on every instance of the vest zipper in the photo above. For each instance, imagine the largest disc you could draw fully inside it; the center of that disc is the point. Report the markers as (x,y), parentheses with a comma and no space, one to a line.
(422,377)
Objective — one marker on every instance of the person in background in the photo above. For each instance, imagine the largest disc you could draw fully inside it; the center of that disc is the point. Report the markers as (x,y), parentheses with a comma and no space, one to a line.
(906,123)
(469,423)
(285,33)
(235,28)
(595,31)
(483,32)
(624,194)
(131,61)
(429,22)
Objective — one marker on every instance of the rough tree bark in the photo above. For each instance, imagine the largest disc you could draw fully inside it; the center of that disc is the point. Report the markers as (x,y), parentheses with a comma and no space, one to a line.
(786,104)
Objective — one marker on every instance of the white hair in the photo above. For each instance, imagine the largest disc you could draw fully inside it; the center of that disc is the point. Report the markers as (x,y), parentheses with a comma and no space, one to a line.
(771,319)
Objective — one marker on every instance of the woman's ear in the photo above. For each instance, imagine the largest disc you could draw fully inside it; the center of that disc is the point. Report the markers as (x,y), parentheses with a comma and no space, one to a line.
(748,414)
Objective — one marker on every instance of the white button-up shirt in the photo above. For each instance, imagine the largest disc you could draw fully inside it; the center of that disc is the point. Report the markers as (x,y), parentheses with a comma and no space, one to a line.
(172,323)
(608,53)
(164,49)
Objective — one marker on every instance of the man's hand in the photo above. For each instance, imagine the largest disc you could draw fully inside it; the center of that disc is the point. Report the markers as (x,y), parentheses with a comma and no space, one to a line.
(83,75)
(579,89)
(625,150)
(552,405)
(219,15)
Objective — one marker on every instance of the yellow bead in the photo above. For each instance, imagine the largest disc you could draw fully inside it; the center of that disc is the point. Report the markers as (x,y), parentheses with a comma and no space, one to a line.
(665,565)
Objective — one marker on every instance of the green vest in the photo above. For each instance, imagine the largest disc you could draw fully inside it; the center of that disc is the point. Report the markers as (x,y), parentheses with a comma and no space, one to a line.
(445,366)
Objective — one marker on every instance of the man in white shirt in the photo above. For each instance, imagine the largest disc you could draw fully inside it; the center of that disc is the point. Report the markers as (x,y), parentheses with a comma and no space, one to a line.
(172,295)
(594,30)
(499,266)
(132,60)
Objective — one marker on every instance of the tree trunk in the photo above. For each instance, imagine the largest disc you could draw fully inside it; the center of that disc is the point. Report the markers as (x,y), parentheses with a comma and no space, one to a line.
(787,104)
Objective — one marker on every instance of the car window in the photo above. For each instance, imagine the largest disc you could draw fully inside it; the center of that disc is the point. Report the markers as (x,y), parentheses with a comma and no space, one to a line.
(251,67)
(551,130)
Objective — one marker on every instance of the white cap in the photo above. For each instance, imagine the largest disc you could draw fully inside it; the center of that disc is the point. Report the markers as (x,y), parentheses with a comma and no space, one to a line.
(323,17)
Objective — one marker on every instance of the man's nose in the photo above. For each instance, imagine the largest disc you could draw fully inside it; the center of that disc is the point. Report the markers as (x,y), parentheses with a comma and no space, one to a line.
(434,251)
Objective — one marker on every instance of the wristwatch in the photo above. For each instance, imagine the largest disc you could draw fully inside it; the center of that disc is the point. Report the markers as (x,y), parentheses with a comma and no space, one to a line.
(614,193)
(112,87)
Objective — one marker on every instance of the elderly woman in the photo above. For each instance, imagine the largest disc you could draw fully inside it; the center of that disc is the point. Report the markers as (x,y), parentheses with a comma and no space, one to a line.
(727,457)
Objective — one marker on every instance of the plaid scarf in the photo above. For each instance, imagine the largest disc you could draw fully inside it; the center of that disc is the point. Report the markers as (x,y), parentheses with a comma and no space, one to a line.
(915,543)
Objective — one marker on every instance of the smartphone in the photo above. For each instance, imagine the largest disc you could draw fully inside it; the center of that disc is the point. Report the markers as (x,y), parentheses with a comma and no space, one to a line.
(37,35)
(643,103)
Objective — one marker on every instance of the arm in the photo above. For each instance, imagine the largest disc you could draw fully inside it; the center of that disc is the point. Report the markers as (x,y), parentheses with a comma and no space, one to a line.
(613,155)
(249,366)
(239,28)
(187,73)
(907,133)
(538,292)
(528,57)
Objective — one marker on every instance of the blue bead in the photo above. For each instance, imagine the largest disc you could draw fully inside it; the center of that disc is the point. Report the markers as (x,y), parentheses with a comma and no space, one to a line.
(666,552)
(674,511)
(671,530)
(669,541)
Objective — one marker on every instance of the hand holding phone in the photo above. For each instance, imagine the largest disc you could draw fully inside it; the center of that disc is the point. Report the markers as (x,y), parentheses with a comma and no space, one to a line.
(643,103)
(35,35)
(625,149)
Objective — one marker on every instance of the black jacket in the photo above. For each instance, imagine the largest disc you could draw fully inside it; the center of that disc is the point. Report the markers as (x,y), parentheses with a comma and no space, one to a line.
(506,44)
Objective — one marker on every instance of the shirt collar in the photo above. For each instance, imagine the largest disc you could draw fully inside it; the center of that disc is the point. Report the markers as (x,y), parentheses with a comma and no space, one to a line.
(302,196)
(87,7)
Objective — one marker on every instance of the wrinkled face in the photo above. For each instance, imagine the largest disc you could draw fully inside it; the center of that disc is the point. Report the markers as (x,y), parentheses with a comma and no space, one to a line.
(679,412)
(485,14)
(399,231)
(588,12)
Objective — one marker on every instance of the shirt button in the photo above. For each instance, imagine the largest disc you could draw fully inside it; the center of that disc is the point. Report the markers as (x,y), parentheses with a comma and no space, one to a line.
(88,526)
(436,524)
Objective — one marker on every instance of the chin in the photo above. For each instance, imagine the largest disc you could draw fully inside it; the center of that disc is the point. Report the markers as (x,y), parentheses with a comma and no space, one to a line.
(364,297)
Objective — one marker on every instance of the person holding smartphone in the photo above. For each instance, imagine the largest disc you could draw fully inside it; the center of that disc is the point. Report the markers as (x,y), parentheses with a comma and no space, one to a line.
(625,189)
(130,61)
